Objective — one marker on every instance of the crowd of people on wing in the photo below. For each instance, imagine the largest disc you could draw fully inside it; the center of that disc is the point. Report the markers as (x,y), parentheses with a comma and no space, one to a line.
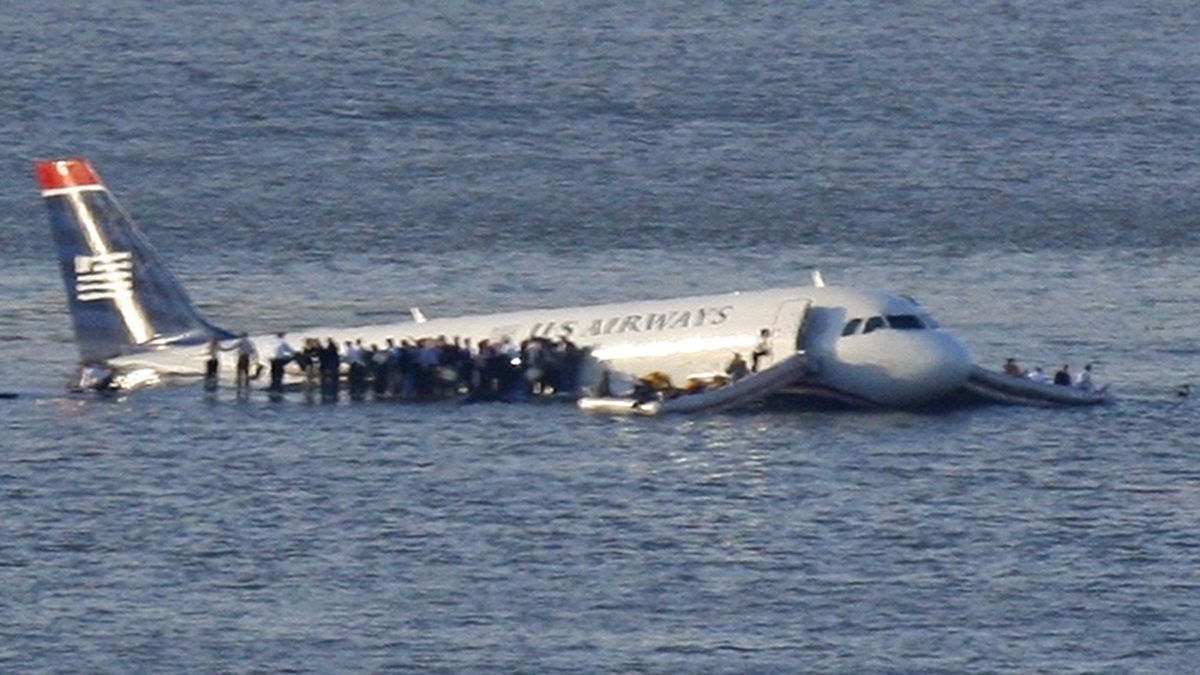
(1062,376)
(428,368)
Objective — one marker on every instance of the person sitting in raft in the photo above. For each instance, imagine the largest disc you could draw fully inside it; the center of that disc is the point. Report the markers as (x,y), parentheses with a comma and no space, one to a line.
(1084,379)
(1062,376)
(653,386)
(1038,375)
(1011,368)
(737,368)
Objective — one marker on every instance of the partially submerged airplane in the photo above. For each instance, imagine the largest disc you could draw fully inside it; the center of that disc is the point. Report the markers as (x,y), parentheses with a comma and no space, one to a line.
(859,347)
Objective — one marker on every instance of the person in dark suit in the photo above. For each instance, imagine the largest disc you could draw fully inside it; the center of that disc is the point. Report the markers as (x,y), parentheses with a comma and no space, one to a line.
(1063,376)
(328,361)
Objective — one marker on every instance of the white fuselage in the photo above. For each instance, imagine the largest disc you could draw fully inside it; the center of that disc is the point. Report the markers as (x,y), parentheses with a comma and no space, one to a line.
(865,347)
(903,359)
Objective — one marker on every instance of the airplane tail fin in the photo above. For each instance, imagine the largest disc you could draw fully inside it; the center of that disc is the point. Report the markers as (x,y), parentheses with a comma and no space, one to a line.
(121,296)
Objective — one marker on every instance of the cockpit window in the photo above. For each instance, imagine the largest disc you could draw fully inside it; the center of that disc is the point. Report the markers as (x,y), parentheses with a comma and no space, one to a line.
(893,321)
(905,322)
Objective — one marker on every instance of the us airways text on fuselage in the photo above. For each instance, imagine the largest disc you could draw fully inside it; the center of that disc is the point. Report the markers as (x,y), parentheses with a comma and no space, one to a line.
(649,322)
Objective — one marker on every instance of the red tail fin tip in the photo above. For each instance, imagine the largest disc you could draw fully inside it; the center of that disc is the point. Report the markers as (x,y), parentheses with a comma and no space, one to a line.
(65,173)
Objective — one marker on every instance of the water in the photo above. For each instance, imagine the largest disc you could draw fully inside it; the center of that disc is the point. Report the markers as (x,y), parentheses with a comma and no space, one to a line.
(1026,170)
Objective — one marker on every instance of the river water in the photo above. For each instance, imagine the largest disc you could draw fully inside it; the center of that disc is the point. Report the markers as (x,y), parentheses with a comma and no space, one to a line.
(1028,171)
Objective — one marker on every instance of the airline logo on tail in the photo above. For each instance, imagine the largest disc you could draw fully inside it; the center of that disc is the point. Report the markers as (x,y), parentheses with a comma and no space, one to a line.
(103,277)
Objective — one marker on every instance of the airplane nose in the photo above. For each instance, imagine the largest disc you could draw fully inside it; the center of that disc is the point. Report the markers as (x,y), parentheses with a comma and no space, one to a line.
(924,367)
(902,368)
(955,360)
(947,364)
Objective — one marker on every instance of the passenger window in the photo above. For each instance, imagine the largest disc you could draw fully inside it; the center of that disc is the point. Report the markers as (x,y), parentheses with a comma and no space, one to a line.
(874,323)
(851,327)
(905,322)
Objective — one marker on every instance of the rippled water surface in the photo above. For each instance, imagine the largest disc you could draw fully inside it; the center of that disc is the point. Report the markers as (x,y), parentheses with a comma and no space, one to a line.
(1027,171)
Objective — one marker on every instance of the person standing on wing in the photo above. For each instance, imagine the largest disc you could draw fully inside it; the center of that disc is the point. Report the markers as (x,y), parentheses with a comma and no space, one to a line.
(212,364)
(282,356)
(246,352)
(761,348)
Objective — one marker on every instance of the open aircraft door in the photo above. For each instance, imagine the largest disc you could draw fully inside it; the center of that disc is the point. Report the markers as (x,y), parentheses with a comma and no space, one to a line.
(787,333)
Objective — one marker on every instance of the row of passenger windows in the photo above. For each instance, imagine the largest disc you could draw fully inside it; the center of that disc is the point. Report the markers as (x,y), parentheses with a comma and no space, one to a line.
(896,321)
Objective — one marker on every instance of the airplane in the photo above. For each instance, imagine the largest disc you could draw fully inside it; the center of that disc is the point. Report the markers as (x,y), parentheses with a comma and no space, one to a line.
(864,348)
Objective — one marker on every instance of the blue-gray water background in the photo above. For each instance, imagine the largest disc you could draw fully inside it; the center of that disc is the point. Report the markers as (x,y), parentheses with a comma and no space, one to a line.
(1028,170)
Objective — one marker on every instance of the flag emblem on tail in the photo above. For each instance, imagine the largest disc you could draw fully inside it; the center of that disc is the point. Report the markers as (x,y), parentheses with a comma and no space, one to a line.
(103,277)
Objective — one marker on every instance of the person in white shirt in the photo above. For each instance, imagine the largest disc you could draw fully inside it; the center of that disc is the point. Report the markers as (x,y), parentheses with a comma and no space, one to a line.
(1084,379)
(245,353)
(282,356)
(762,349)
